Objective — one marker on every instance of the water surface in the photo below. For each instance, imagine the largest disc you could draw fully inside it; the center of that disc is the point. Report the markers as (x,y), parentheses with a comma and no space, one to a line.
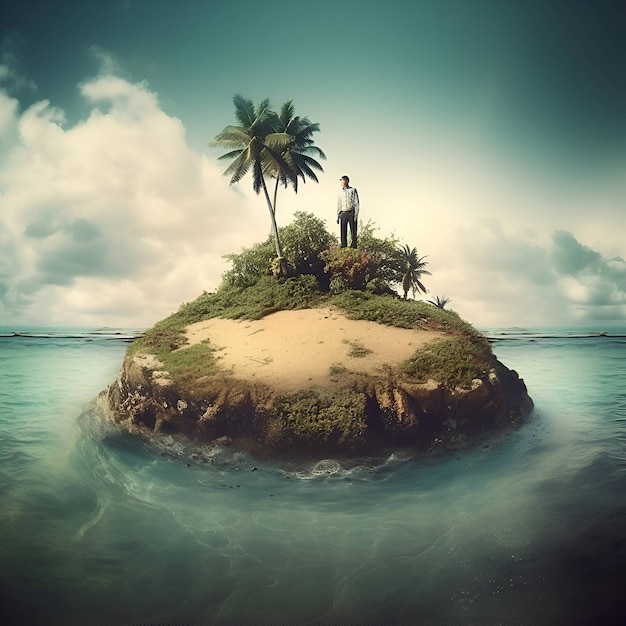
(98,527)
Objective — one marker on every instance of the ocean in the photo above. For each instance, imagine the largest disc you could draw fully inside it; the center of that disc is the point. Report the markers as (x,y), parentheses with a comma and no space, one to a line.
(97,527)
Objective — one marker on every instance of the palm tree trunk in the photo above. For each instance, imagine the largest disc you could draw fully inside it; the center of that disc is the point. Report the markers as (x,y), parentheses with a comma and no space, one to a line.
(275,195)
(279,252)
(274,207)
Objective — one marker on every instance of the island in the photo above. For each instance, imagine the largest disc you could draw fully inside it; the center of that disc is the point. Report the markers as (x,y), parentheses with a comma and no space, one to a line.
(321,362)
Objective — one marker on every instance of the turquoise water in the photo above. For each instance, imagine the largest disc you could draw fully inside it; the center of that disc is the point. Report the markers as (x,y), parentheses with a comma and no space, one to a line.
(99,528)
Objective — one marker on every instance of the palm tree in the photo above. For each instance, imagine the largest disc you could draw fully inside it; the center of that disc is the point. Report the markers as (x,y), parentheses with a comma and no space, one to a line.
(413,270)
(298,153)
(255,144)
(440,302)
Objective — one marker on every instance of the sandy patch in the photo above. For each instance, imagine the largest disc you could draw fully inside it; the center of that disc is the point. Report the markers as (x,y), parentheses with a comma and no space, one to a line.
(294,350)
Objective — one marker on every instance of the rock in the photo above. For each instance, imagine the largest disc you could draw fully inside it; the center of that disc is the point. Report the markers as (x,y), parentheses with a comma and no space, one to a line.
(355,414)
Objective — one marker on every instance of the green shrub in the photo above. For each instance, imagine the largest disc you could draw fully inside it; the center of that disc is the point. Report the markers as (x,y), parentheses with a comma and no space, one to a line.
(338,285)
(379,287)
(354,266)
(315,418)
(249,265)
(454,361)
(386,255)
(304,241)
(309,249)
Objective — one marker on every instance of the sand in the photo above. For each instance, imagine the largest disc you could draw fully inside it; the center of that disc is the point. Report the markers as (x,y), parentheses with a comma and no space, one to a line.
(293,350)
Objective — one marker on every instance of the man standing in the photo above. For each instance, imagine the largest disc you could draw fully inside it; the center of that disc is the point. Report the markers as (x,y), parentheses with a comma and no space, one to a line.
(347,211)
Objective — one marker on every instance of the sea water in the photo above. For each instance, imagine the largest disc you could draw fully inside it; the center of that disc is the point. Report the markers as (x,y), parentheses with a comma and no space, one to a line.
(97,527)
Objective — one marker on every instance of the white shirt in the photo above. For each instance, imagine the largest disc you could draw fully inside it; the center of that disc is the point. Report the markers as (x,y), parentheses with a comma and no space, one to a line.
(348,200)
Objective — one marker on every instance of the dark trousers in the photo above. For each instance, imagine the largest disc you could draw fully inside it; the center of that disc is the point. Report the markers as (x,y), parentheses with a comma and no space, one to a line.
(345,218)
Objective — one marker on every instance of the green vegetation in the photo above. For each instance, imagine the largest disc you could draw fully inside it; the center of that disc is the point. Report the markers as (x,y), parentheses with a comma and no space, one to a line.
(162,339)
(413,269)
(273,145)
(393,311)
(314,418)
(196,361)
(357,350)
(167,341)
(358,282)
(304,242)
(349,268)
(297,153)
(453,361)
(439,301)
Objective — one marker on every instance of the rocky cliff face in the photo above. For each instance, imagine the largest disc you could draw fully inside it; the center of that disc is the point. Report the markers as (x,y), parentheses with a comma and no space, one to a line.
(357,414)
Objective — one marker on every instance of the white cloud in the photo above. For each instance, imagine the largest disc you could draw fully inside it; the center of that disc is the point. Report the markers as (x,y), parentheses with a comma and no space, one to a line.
(11,77)
(496,278)
(115,220)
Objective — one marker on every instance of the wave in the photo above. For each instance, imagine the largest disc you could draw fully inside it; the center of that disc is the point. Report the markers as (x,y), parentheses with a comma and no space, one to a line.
(526,335)
(113,334)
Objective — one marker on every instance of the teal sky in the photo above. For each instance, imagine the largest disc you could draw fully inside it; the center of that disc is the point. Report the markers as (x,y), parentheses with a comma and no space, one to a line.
(490,134)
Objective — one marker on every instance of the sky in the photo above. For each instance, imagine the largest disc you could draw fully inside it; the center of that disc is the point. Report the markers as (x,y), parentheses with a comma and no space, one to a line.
(488,134)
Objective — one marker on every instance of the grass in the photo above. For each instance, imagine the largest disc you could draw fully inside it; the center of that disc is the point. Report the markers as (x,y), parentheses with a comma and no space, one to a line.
(266,296)
(361,305)
(192,361)
(357,350)
(453,361)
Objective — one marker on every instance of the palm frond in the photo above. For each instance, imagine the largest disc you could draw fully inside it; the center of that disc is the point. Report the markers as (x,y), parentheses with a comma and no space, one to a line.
(230,155)
(310,161)
(286,114)
(414,268)
(279,142)
(439,301)
(237,169)
(244,111)
(307,171)
(257,175)
(275,165)
(230,137)
(420,286)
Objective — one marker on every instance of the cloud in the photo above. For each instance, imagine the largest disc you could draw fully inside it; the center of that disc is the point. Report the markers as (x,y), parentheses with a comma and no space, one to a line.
(498,278)
(10,76)
(570,256)
(114,220)
(596,284)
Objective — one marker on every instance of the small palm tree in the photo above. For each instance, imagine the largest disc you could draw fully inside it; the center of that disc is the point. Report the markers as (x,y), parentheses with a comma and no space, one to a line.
(299,152)
(255,144)
(413,270)
(440,302)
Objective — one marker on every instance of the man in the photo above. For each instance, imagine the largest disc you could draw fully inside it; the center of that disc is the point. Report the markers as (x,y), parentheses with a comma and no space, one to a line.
(347,211)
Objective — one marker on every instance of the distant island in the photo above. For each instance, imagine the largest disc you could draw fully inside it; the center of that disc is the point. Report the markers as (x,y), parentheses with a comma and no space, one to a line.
(325,359)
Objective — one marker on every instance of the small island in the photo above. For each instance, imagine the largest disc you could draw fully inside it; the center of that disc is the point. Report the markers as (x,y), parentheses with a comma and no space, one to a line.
(322,358)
